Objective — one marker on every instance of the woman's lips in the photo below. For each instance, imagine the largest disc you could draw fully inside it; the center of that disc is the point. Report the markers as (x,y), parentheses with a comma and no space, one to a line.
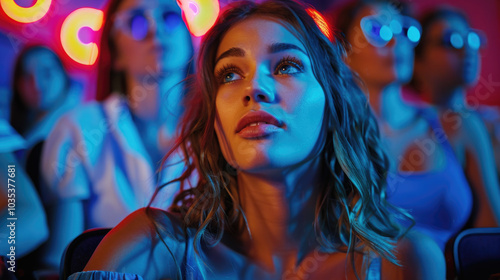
(258,130)
(257,124)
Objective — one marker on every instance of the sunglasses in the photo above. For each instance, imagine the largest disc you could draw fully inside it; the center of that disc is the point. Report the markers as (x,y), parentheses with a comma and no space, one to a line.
(139,23)
(379,33)
(474,39)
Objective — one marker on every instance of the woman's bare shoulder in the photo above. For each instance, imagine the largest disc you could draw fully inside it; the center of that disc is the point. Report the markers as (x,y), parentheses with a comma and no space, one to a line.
(420,258)
(139,244)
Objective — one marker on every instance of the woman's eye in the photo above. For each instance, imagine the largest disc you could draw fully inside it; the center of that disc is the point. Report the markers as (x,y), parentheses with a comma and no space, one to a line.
(289,66)
(287,69)
(228,74)
(230,77)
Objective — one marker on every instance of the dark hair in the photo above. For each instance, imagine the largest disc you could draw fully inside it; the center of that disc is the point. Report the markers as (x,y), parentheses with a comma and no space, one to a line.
(108,79)
(21,116)
(352,213)
(427,20)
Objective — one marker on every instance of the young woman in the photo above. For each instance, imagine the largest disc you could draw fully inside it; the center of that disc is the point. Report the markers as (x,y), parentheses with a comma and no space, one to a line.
(425,176)
(447,61)
(99,162)
(42,92)
(291,172)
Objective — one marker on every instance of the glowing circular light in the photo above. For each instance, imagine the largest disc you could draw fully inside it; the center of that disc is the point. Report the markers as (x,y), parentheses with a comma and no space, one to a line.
(25,14)
(413,34)
(320,22)
(386,33)
(456,41)
(81,52)
(474,40)
(200,15)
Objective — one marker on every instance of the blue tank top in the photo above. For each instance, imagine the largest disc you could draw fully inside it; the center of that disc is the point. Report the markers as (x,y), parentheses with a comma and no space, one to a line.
(440,201)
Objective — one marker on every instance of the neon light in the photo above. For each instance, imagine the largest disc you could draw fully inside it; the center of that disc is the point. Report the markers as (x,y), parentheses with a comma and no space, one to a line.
(320,22)
(23,14)
(386,33)
(474,40)
(194,8)
(81,52)
(200,15)
(413,34)
(456,40)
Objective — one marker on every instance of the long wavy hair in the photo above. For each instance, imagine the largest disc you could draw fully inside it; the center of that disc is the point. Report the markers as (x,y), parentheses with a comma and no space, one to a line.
(352,213)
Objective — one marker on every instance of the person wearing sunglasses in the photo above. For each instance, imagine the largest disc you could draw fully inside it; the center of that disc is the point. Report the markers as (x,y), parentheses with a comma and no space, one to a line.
(425,177)
(99,162)
(447,62)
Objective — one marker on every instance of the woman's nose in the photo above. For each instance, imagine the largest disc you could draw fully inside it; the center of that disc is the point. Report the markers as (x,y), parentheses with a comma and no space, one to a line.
(261,89)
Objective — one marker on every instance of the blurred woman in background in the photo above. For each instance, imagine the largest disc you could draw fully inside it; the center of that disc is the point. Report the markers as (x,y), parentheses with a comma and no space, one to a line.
(100,160)
(425,177)
(42,93)
(447,62)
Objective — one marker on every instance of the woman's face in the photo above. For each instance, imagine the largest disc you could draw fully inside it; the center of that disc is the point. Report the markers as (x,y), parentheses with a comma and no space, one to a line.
(150,37)
(441,63)
(375,65)
(269,104)
(44,80)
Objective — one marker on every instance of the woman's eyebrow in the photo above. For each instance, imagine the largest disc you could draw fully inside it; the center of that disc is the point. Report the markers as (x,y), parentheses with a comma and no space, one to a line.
(279,47)
(238,52)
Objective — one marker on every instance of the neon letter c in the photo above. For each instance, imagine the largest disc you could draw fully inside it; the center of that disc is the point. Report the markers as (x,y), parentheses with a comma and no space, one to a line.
(83,53)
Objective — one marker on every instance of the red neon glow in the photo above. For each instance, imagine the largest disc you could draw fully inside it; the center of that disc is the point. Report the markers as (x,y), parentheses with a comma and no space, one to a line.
(82,52)
(25,14)
(320,22)
(200,15)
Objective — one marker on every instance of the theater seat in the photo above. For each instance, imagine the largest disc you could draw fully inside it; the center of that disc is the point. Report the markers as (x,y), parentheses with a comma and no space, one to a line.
(477,253)
(79,251)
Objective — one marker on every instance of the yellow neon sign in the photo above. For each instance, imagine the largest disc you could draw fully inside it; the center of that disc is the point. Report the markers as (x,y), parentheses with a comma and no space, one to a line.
(25,14)
(200,15)
(83,53)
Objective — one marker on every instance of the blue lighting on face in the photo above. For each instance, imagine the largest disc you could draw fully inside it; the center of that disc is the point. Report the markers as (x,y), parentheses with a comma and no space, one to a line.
(172,21)
(386,33)
(413,34)
(456,41)
(474,41)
